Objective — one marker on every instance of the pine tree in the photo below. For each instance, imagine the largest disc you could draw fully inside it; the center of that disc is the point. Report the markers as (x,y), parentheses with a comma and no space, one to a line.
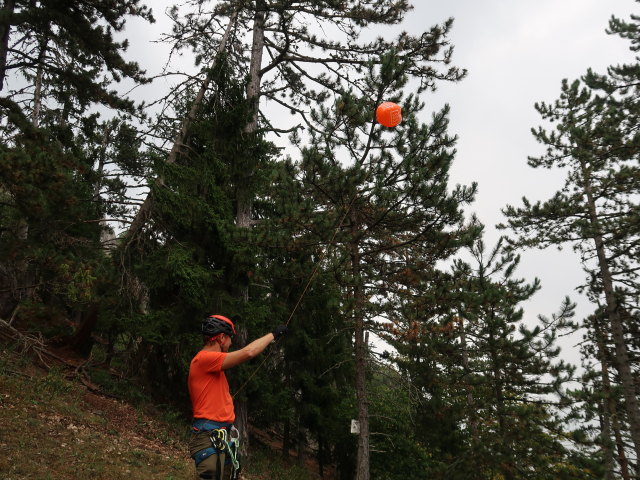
(191,256)
(281,32)
(489,386)
(72,46)
(598,402)
(385,195)
(518,385)
(595,211)
(57,63)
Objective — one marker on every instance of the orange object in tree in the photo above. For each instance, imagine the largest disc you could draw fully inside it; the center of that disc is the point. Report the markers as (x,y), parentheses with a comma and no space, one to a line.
(389,114)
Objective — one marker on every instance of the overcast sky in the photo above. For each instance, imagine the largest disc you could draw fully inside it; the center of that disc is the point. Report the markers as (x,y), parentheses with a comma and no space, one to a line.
(516,52)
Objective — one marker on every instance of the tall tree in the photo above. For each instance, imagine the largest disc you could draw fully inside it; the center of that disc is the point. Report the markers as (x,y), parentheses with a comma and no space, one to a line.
(489,386)
(595,210)
(190,256)
(518,381)
(72,47)
(599,406)
(57,63)
(386,194)
(294,76)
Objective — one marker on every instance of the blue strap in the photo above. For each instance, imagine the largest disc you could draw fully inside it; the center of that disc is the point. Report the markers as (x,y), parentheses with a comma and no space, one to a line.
(204,454)
(206,425)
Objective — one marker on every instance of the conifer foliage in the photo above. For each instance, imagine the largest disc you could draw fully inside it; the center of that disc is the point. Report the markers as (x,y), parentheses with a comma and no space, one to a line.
(58,62)
(348,231)
(595,141)
(489,387)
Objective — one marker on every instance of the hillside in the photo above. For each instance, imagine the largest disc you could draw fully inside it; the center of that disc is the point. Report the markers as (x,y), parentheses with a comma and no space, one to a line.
(54,424)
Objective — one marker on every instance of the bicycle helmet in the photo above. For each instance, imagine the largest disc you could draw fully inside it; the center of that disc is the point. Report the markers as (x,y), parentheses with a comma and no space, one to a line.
(215,324)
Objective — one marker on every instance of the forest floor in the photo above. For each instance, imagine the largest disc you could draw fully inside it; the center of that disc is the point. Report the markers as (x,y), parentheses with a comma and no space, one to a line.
(54,424)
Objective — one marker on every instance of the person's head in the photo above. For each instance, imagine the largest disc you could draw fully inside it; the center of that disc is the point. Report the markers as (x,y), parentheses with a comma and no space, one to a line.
(218,330)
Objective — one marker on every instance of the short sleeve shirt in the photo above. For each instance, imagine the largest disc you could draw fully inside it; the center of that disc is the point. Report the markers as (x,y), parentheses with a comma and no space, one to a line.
(208,388)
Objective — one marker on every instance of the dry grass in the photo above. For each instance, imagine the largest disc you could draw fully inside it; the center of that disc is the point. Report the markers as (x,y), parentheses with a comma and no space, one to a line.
(52,428)
(56,425)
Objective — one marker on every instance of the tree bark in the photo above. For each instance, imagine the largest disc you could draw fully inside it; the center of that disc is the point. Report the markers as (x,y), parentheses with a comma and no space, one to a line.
(257,48)
(243,195)
(613,314)
(82,341)
(37,95)
(362,460)
(622,456)
(605,420)
(5,30)
(244,200)
(616,430)
(610,404)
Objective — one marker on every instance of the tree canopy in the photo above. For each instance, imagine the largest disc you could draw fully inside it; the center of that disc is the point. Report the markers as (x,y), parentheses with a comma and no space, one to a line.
(122,225)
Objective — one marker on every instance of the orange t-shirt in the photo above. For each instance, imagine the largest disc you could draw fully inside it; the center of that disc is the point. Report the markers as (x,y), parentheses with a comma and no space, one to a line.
(208,388)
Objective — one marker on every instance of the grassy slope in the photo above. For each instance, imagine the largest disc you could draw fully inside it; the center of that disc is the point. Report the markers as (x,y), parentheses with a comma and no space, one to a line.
(54,428)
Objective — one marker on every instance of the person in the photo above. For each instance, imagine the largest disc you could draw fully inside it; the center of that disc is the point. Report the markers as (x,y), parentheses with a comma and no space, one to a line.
(212,405)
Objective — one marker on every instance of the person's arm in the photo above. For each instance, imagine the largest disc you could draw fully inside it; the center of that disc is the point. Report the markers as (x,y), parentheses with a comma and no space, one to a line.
(253,349)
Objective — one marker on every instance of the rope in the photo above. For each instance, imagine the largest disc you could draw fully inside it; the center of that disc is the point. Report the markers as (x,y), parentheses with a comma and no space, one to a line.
(302,295)
(322,256)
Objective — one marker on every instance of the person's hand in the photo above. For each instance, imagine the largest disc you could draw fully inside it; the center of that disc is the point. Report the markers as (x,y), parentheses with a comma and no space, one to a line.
(279,331)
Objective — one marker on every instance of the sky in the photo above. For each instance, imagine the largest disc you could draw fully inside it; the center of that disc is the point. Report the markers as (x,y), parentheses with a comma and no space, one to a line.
(516,52)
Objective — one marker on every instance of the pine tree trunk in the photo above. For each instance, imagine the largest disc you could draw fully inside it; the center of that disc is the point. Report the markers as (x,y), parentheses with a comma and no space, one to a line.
(605,439)
(613,314)
(37,98)
(362,460)
(101,159)
(244,200)
(622,456)
(616,429)
(610,409)
(82,341)
(257,49)
(37,95)
(5,29)
(605,420)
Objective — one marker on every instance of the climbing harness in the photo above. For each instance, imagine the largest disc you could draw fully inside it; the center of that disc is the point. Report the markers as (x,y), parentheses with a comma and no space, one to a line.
(229,446)
(221,440)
